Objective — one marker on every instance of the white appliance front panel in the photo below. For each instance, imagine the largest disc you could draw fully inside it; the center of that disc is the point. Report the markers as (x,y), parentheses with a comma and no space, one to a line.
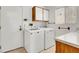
(37,41)
(34,41)
(49,38)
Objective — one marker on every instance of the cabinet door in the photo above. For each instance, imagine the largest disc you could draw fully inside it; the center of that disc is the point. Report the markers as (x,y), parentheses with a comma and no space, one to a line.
(39,15)
(58,47)
(11,21)
(60,16)
(27,12)
(45,15)
(71,15)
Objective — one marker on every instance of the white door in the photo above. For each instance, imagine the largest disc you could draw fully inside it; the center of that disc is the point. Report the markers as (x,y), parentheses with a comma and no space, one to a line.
(11,21)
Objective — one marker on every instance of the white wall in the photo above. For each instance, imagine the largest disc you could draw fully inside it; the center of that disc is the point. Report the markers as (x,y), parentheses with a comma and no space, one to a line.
(63,31)
(52,21)
(51,14)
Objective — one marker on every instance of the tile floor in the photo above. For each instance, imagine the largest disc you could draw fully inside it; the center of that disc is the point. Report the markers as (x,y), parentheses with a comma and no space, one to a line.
(22,50)
(18,50)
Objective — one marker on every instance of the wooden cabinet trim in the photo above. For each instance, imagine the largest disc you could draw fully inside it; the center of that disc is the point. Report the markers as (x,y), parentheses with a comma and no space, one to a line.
(64,48)
(33,14)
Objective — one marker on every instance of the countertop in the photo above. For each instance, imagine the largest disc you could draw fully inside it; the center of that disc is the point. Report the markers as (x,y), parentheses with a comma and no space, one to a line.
(71,39)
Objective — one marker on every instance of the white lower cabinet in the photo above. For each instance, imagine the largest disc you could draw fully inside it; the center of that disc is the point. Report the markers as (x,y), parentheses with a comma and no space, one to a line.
(34,41)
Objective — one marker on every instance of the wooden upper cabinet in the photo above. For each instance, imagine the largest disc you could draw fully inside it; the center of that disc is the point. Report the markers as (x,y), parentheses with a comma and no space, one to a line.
(39,14)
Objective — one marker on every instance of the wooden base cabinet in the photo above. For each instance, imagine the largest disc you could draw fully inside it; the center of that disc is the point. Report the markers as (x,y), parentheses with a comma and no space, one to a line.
(64,48)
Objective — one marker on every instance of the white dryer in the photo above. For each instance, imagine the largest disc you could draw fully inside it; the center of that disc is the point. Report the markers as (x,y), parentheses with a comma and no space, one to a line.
(49,37)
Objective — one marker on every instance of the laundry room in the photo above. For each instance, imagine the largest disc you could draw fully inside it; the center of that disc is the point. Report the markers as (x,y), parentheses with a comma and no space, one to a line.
(39,29)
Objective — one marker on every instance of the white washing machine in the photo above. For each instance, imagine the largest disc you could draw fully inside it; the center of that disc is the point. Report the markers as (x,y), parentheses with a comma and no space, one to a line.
(34,41)
(49,37)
